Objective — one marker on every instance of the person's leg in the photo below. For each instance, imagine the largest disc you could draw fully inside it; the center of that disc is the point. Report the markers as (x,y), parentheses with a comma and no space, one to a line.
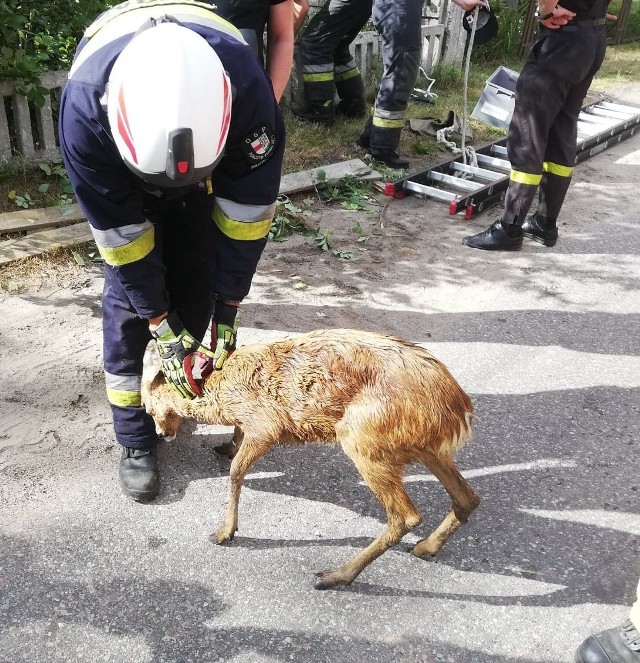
(620,644)
(182,235)
(560,154)
(399,23)
(348,80)
(545,86)
(125,337)
(317,46)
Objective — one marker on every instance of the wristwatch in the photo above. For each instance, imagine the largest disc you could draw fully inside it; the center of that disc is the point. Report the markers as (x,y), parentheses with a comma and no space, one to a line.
(546,17)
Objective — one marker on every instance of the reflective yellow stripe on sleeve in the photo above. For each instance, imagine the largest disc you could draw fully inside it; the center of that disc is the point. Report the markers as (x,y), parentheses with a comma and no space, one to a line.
(244,222)
(122,246)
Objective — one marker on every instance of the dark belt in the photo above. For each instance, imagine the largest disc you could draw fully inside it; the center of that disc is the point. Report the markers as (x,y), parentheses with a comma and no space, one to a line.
(588,22)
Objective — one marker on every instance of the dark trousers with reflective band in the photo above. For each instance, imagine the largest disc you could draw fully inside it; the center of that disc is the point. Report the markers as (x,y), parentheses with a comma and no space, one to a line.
(183,232)
(326,58)
(399,24)
(542,135)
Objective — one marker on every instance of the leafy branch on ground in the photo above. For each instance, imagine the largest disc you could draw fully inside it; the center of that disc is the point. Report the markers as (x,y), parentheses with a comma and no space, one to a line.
(352,193)
(289,219)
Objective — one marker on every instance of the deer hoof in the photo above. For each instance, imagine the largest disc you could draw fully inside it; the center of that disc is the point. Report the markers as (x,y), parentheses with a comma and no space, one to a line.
(424,548)
(329,578)
(228,450)
(222,536)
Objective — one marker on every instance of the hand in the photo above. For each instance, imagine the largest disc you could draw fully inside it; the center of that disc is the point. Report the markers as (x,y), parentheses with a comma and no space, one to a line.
(224,332)
(177,347)
(561,16)
(470,4)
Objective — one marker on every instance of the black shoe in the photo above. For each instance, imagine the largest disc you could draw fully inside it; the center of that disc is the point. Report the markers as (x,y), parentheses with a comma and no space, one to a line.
(364,139)
(535,230)
(139,473)
(494,238)
(318,113)
(354,108)
(390,158)
(615,645)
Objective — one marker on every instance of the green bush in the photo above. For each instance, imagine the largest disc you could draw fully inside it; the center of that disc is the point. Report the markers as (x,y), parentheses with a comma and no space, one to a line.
(506,44)
(38,37)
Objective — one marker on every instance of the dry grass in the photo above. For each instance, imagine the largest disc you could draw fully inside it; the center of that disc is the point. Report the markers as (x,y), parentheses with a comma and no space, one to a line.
(621,66)
(311,146)
(52,270)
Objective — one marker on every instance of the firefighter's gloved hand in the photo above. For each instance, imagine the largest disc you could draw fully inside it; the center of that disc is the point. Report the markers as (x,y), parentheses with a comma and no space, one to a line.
(225,332)
(176,347)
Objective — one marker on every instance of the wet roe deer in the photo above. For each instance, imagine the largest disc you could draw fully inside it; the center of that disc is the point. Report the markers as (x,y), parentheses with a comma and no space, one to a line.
(385,401)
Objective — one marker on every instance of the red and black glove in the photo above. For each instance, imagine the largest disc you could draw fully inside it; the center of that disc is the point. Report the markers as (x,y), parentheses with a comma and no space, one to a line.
(184,358)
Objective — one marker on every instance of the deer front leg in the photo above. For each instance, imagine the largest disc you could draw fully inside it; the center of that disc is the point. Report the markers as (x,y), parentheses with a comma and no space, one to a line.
(249,452)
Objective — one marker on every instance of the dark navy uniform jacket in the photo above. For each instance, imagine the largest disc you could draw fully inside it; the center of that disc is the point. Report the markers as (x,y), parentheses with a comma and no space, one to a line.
(245,182)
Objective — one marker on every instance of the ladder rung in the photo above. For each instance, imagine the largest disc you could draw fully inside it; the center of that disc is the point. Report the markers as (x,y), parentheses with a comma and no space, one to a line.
(587,129)
(611,113)
(493,161)
(430,191)
(596,119)
(480,173)
(499,149)
(456,182)
(619,107)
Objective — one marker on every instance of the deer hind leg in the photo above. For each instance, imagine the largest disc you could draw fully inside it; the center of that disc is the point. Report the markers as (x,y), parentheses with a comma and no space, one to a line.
(465,500)
(385,481)
(249,452)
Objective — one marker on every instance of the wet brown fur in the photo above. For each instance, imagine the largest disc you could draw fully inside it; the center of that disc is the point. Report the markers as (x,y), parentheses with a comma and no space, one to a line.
(385,401)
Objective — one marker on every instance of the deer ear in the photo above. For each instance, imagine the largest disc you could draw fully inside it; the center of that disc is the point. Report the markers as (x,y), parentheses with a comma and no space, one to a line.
(151,364)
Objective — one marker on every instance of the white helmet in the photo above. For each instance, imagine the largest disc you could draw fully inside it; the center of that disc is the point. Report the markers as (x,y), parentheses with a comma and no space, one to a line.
(169,105)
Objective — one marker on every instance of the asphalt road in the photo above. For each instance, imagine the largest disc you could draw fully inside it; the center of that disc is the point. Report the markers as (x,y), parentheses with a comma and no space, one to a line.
(545,341)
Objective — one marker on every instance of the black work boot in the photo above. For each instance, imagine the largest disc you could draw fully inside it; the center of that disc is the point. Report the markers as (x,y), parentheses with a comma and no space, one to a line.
(321,112)
(364,139)
(351,93)
(615,645)
(495,238)
(389,157)
(139,473)
(541,230)
(352,108)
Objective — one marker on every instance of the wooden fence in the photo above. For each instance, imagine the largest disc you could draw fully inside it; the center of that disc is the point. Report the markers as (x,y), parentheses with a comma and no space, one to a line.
(29,133)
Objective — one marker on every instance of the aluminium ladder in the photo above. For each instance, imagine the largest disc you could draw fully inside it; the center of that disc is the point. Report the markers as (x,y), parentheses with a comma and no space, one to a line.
(474,188)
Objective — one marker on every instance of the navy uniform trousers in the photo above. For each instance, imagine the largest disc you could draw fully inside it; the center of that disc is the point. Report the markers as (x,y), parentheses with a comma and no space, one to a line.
(327,63)
(399,24)
(183,230)
(542,134)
